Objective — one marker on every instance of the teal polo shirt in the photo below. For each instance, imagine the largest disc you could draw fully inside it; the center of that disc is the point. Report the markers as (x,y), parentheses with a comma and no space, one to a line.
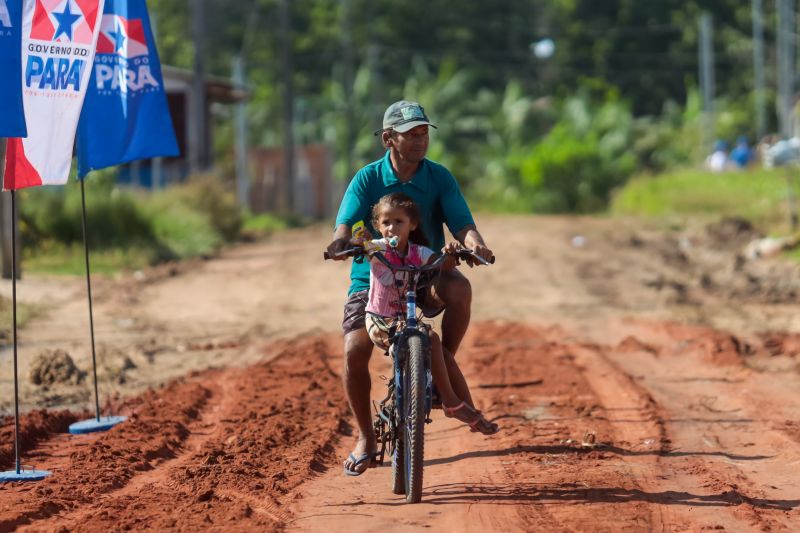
(432,187)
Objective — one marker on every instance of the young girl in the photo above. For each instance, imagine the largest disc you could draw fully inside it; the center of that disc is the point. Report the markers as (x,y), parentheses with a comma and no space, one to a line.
(396,217)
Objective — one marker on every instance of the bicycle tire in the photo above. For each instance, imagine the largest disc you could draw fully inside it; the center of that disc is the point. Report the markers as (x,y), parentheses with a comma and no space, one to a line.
(414,427)
(398,467)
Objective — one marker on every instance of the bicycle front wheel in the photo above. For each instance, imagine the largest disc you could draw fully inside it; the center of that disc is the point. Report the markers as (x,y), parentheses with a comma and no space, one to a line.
(414,427)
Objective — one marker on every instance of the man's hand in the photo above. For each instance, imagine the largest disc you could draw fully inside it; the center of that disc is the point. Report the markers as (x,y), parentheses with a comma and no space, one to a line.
(482,251)
(337,247)
(473,240)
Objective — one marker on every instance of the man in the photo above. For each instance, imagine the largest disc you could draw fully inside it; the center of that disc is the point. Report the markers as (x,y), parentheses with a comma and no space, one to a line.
(403,168)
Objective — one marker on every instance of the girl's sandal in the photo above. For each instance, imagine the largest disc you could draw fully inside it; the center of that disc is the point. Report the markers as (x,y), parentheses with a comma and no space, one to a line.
(472,417)
(482,425)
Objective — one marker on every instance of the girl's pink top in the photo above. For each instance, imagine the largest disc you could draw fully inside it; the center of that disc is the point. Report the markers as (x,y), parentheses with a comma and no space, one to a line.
(383,290)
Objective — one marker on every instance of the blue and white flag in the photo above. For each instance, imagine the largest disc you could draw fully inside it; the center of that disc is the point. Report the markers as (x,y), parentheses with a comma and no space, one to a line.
(12,116)
(125,116)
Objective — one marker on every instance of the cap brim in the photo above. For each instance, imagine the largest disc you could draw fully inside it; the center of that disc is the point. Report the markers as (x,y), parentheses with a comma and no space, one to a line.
(408,126)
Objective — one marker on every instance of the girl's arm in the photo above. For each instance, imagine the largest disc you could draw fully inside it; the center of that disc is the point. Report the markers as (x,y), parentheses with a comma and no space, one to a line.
(375,245)
(451,261)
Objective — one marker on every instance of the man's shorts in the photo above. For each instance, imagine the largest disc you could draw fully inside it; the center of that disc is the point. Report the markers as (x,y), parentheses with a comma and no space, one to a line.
(355,308)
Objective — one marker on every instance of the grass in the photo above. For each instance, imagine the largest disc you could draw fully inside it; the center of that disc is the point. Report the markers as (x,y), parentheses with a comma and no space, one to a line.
(265,223)
(70,261)
(757,195)
(25,312)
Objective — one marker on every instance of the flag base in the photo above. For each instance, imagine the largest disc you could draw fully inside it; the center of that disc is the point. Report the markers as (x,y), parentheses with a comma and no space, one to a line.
(23,475)
(93,425)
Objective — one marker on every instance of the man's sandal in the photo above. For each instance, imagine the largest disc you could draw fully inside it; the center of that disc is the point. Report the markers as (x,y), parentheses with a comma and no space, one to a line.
(365,458)
(472,417)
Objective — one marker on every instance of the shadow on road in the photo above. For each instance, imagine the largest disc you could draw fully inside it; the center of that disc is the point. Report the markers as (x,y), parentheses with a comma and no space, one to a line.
(570,492)
(560,449)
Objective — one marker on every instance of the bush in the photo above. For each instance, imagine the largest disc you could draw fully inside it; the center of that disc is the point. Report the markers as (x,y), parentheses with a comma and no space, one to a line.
(182,221)
(113,218)
(207,195)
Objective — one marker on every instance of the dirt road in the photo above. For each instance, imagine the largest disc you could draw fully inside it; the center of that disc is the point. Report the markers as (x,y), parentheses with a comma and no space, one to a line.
(645,379)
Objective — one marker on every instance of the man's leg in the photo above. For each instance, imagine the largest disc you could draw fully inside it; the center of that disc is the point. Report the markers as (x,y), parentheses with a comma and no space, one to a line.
(357,384)
(357,352)
(454,291)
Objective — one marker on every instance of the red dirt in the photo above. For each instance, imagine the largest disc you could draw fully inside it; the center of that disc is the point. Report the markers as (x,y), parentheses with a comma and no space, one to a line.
(217,447)
(643,381)
(585,445)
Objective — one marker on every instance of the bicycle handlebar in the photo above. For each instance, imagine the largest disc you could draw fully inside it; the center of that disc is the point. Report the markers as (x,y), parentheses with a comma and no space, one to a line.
(463,253)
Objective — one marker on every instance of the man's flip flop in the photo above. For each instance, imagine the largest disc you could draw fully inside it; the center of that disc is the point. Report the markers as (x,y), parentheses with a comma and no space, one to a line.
(365,457)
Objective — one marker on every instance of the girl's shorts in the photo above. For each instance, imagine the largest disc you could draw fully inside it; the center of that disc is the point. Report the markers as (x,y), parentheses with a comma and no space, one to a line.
(378,328)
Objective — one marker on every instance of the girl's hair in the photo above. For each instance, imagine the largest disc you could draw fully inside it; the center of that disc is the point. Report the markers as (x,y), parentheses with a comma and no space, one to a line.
(402,201)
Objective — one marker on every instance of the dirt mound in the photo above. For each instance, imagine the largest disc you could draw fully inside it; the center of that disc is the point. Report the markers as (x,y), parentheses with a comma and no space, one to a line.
(55,367)
(215,447)
(37,425)
(731,232)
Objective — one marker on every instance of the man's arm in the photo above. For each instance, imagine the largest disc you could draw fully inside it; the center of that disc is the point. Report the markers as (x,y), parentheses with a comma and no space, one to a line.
(471,238)
(341,241)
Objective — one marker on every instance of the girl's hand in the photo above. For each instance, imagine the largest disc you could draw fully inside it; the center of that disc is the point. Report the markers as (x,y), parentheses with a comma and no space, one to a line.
(451,261)
(452,247)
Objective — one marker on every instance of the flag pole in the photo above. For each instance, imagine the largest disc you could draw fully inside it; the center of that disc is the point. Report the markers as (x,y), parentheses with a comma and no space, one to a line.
(14,324)
(89,292)
(98,423)
(18,474)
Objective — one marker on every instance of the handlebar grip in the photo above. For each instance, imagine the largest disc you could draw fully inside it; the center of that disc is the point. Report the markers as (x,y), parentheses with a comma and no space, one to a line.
(491,261)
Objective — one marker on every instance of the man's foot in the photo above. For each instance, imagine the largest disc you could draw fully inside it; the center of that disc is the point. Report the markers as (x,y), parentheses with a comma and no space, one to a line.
(355,466)
(472,417)
(360,459)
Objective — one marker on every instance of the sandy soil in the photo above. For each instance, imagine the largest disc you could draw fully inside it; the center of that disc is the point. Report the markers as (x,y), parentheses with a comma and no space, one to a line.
(645,379)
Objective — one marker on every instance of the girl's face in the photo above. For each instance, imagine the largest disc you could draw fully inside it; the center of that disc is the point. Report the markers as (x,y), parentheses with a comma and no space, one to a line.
(395,222)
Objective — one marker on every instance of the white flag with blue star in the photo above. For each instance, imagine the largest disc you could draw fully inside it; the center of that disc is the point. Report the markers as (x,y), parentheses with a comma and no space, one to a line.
(58,46)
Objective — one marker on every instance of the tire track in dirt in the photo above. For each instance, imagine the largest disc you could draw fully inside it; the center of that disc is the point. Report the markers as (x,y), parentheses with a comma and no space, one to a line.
(723,446)
(261,447)
(535,475)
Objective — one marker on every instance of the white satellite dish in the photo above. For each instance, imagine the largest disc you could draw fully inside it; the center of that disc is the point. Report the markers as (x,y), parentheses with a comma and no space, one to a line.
(543,49)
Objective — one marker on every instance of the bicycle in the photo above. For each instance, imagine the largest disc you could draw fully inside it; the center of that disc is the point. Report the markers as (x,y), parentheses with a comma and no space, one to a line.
(401,416)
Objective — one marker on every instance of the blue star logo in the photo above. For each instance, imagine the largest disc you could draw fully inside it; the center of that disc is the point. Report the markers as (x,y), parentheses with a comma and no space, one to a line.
(119,39)
(65,22)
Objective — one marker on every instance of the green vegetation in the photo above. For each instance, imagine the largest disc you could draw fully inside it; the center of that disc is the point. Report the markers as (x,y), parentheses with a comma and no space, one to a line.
(130,230)
(758,195)
(521,133)
(25,312)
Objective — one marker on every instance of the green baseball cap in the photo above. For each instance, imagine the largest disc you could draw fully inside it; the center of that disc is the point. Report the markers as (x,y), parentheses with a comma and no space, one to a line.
(404,116)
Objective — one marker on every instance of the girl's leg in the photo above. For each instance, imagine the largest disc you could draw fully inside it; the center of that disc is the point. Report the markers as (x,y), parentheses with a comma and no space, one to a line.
(440,375)
(453,404)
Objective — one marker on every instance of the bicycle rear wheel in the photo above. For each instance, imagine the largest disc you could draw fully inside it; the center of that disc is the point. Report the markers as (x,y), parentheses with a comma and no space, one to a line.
(414,428)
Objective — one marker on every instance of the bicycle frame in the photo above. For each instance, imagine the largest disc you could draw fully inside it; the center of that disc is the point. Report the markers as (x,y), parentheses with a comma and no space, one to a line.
(396,424)
(389,414)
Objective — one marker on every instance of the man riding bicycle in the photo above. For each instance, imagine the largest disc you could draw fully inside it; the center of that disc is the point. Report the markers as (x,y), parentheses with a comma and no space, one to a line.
(433,188)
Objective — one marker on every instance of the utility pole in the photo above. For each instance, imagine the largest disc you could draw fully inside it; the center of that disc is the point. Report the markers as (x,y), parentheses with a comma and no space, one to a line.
(706,51)
(347,53)
(197,134)
(786,73)
(240,137)
(786,67)
(288,107)
(758,68)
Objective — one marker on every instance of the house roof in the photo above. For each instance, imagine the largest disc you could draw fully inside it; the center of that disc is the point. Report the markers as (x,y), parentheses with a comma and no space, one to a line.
(218,89)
